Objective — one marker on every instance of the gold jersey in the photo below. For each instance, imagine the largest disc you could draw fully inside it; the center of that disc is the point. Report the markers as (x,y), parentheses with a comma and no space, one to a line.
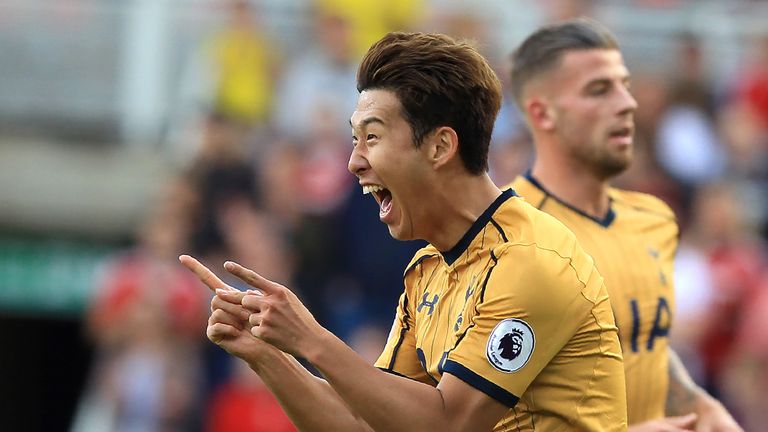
(518,311)
(633,248)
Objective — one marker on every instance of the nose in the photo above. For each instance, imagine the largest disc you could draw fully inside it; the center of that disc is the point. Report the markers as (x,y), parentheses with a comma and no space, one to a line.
(358,164)
(628,103)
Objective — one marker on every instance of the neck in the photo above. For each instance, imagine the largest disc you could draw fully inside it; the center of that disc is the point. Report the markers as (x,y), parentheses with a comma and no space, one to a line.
(461,201)
(574,184)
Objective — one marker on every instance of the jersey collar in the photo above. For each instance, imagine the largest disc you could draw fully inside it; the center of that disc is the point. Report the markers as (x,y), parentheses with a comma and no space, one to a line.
(452,255)
(605,222)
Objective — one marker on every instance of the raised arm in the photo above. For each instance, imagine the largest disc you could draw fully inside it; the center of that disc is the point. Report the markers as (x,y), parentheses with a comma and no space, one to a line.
(387,402)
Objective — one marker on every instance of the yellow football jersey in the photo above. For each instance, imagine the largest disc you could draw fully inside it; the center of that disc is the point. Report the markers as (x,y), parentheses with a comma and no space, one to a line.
(517,310)
(633,248)
(244,86)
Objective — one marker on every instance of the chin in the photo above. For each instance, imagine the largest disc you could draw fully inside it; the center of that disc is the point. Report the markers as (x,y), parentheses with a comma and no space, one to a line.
(398,234)
(610,167)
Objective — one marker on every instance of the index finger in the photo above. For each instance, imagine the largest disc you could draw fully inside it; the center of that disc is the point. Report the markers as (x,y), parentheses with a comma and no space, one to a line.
(205,275)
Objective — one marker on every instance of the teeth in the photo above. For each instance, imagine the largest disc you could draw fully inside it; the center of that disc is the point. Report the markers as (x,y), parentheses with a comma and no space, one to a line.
(371,188)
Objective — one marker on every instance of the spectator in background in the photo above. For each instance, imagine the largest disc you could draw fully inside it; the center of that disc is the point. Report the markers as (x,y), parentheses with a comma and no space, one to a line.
(687,143)
(729,268)
(371,19)
(230,77)
(240,402)
(314,100)
(752,83)
(147,373)
(745,383)
(244,404)
(223,170)
(743,123)
(244,61)
(319,84)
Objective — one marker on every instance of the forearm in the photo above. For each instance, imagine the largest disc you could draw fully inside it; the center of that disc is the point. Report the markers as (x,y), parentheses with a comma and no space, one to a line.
(684,396)
(309,401)
(387,402)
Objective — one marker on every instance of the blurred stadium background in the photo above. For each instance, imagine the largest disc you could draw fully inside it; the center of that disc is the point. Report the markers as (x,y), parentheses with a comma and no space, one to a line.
(133,130)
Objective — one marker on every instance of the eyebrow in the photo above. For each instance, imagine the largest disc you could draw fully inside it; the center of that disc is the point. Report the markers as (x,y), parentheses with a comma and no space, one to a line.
(626,78)
(366,121)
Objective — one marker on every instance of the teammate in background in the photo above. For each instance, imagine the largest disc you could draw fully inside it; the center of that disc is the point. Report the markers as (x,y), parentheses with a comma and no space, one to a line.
(570,81)
(504,323)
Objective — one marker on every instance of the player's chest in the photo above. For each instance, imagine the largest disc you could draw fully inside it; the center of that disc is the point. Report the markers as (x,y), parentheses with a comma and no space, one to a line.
(637,270)
(444,308)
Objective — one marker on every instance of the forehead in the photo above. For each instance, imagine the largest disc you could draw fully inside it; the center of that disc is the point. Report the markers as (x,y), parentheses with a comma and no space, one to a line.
(382,105)
(592,64)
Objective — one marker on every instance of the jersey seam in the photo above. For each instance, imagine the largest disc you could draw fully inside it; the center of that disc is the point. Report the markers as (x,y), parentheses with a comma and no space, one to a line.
(567,258)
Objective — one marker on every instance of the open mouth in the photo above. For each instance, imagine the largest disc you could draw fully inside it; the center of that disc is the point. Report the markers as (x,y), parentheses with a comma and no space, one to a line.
(382,196)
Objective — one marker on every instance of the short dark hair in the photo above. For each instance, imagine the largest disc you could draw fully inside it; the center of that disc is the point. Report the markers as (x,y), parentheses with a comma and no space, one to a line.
(545,48)
(439,82)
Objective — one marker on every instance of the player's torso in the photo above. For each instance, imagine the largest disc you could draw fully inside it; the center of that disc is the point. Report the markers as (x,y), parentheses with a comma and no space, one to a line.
(634,252)
(445,297)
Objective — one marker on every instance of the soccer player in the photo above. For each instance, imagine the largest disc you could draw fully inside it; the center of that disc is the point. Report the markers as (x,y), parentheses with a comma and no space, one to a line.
(571,83)
(504,323)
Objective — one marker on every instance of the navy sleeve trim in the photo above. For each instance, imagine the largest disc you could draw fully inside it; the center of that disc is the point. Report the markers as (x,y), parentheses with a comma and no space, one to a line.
(402,334)
(459,371)
(396,373)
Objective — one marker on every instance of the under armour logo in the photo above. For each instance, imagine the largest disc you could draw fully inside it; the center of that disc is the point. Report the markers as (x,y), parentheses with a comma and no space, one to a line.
(427,303)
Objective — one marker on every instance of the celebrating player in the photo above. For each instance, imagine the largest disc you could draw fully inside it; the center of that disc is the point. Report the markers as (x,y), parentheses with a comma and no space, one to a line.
(504,324)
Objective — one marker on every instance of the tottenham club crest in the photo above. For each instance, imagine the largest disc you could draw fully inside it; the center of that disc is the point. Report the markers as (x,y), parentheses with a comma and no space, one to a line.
(510,345)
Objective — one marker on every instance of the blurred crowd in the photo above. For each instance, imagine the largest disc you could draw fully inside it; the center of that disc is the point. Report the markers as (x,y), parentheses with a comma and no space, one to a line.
(259,176)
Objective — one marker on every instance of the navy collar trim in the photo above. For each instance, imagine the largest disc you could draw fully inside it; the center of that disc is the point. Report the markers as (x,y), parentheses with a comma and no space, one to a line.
(452,255)
(604,222)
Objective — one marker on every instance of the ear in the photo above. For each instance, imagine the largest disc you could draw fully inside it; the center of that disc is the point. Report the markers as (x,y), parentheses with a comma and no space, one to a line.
(443,146)
(540,114)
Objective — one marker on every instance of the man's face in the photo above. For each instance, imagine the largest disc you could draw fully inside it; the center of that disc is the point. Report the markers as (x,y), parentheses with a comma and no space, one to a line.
(593,110)
(387,162)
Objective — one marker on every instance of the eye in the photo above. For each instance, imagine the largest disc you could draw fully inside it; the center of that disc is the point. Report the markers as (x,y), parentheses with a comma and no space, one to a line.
(371,137)
(354,141)
(598,90)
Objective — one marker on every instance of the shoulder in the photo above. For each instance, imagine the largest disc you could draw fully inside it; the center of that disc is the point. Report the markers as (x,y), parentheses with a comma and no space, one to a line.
(421,255)
(526,190)
(643,203)
(545,263)
(542,281)
(525,224)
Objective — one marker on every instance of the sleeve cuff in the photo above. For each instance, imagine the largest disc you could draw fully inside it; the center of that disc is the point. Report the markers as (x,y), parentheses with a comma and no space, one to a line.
(394,372)
(459,371)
